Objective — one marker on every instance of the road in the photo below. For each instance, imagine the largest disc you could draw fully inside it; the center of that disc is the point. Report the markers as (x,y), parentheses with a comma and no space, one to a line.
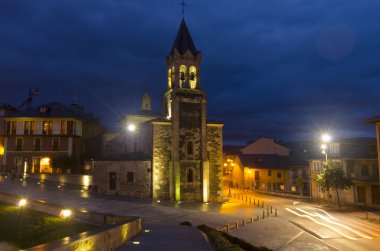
(299,225)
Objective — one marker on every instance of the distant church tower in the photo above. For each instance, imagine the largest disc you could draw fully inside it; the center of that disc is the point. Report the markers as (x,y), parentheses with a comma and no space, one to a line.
(189,148)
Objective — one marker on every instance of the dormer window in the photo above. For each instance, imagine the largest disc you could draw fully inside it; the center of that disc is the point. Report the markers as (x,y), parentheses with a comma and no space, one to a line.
(44,109)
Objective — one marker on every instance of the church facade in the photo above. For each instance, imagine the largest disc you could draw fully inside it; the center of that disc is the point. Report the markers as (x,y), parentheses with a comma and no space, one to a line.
(184,148)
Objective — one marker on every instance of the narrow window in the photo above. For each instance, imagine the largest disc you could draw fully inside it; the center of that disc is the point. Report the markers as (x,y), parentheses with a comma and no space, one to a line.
(182,75)
(69,127)
(8,128)
(45,125)
(37,144)
(190,148)
(190,175)
(32,127)
(193,77)
(14,127)
(26,128)
(269,172)
(55,144)
(63,127)
(19,144)
(50,129)
(130,177)
(278,174)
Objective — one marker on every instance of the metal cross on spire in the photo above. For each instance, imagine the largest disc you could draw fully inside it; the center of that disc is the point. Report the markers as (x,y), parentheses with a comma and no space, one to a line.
(183,8)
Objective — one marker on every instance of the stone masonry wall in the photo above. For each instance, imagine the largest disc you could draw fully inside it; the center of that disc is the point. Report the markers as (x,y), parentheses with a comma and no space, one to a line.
(162,135)
(141,185)
(215,152)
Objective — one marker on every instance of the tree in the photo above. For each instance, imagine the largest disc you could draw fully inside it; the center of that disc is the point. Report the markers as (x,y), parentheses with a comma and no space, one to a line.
(333,177)
(299,184)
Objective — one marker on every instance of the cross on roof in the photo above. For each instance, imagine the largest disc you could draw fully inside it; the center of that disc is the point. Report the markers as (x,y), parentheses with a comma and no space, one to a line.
(183,7)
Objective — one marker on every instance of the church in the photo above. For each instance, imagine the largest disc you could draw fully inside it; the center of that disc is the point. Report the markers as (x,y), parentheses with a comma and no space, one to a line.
(176,155)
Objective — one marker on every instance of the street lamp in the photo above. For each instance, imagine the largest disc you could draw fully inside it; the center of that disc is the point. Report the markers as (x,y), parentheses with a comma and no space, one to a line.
(130,128)
(229,168)
(326,138)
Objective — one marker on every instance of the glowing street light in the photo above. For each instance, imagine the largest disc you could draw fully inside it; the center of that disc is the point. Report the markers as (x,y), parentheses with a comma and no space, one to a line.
(326,138)
(22,203)
(131,127)
(65,213)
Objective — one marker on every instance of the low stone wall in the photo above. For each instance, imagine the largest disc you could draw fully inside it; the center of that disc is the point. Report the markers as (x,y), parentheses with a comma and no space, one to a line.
(116,230)
(74,180)
(107,238)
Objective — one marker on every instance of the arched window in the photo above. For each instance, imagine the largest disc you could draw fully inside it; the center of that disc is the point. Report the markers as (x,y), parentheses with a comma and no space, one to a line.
(182,75)
(190,175)
(193,77)
(170,78)
(190,148)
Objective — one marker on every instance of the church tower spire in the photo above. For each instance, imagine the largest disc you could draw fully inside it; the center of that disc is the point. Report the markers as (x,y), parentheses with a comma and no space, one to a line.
(183,61)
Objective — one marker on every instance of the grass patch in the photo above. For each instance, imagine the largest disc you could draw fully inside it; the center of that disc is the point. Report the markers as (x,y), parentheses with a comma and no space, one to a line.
(26,228)
(225,242)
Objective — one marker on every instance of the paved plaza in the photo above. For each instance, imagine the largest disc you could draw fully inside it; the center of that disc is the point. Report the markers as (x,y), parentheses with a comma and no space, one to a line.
(296,226)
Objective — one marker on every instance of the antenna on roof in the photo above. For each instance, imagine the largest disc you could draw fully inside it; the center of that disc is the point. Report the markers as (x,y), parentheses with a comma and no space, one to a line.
(29,101)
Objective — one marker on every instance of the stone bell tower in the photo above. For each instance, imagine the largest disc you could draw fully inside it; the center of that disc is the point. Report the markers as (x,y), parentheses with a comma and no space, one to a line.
(187,150)
(186,108)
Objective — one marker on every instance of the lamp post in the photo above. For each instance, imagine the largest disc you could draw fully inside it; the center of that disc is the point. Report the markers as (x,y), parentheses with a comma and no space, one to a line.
(326,138)
(131,128)
(229,168)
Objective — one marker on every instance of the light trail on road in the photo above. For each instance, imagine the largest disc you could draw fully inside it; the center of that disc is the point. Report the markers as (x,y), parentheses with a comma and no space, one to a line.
(322,224)
(335,223)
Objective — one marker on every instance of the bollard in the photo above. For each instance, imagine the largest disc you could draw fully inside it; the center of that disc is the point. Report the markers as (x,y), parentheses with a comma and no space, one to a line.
(263,214)
(243,222)
(228,228)
(267,211)
(237,224)
(250,200)
(275,212)
(252,219)
(270,209)
(262,204)
(254,201)
(246,198)
(258,203)
(258,218)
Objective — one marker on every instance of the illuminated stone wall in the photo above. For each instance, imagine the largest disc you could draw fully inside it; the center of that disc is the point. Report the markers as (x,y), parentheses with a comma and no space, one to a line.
(141,185)
(162,134)
(215,154)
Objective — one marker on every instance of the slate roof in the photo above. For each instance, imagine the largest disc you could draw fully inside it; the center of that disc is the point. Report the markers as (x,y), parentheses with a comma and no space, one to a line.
(350,148)
(183,41)
(266,161)
(51,110)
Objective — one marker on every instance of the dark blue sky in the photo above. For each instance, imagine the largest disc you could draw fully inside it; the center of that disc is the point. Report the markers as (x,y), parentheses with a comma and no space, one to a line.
(286,69)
